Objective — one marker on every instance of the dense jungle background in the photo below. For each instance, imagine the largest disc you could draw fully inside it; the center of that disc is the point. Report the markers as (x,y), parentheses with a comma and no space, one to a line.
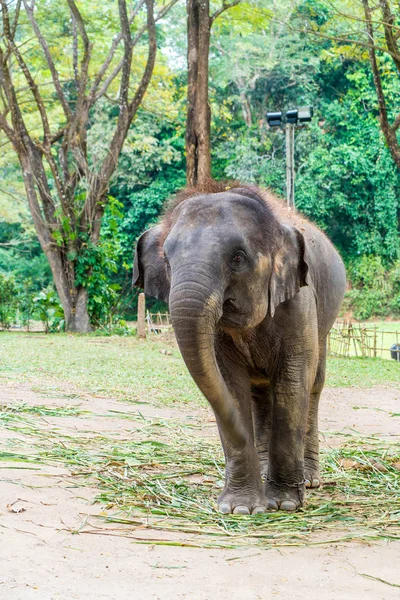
(263,56)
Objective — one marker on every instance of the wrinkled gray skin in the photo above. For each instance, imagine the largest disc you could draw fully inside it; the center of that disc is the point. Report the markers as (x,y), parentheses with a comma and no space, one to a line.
(253,292)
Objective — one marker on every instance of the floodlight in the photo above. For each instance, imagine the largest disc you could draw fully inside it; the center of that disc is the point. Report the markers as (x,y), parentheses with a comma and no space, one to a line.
(274,119)
(291,116)
(305,113)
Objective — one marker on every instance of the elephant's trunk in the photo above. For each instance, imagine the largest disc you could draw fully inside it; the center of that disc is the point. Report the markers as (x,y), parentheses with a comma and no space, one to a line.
(195,311)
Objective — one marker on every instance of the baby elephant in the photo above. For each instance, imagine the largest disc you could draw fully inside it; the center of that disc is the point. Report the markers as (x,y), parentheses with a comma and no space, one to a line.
(253,291)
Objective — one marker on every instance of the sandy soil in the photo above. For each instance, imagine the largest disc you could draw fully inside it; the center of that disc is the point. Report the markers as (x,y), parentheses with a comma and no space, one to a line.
(40,557)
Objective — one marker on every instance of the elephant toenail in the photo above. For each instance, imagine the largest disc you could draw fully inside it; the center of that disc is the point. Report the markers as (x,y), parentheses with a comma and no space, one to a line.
(257,510)
(316,483)
(288,505)
(307,483)
(272,505)
(241,510)
(225,508)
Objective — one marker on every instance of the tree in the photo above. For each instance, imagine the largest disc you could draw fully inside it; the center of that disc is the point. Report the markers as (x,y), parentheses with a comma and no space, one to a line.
(361,25)
(66,186)
(198,149)
(391,30)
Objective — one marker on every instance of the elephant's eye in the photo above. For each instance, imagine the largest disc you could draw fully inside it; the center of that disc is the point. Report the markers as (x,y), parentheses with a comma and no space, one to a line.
(238,260)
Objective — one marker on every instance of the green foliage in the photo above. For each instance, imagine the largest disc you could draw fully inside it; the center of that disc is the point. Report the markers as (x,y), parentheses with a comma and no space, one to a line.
(349,183)
(26,303)
(375,290)
(19,305)
(95,265)
(21,255)
(143,206)
(49,310)
(346,180)
(7,301)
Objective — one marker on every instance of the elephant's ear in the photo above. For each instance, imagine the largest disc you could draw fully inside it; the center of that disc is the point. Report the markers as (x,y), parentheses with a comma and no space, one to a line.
(289,270)
(149,272)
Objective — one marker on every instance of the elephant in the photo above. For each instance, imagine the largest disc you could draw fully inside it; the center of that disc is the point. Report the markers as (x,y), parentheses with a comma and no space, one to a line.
(253,289)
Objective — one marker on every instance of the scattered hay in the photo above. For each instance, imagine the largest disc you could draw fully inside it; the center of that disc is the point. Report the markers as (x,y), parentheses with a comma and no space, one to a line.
(165,478)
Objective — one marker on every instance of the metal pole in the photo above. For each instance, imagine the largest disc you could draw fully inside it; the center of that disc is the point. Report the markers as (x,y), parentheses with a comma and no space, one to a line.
(290,164)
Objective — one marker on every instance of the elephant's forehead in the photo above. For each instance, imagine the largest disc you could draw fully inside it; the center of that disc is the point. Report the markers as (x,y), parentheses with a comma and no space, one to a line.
(217,210)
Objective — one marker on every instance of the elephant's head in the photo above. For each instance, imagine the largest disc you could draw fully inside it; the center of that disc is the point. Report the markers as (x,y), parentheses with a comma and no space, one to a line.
(221,260)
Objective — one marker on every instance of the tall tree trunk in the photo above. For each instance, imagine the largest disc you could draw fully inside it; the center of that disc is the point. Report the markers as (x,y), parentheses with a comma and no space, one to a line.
(198,154)
(73,298)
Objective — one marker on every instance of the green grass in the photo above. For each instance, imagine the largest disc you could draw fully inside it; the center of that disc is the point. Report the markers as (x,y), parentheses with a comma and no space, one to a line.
(164,478)
(362,372)
(136,370)
(390,326)
(127,368)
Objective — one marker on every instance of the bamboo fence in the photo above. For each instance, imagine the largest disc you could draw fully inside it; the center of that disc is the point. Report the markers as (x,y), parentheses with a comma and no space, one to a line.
(158,322)
(349,339)
(345,339)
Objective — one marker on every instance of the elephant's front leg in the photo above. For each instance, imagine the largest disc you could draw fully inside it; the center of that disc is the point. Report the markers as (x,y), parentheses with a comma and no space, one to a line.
(262,419)
(243,491)
(285,483)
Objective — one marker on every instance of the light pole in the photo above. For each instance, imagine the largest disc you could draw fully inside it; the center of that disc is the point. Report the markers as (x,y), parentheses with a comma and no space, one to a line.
(298,116)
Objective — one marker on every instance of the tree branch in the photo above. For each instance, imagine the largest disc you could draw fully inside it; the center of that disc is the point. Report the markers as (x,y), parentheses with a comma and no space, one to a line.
(388,26)
(225,6)
(135,40)
(29,153)
(49,59)
(127,59)
(358,19)
(10,133)
(93,209)
(388,131)
(100,74)
(27,74)
(151,58)
(16,17)
(58,135)
(339,39)
(86,46)
(396,123)
(75,51)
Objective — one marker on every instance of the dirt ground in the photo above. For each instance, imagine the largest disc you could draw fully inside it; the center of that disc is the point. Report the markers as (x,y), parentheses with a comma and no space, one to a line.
(42,558)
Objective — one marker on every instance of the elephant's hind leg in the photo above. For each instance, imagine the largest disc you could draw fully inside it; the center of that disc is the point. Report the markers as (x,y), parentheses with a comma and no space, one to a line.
(311,450)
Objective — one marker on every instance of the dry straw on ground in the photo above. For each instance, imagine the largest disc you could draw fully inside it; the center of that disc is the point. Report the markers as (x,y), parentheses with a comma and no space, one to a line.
(165,476)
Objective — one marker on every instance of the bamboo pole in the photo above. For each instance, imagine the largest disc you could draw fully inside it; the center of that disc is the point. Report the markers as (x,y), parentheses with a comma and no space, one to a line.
(141,327)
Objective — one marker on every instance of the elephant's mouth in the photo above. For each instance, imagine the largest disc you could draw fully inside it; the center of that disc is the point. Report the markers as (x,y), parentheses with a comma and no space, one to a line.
(229,306)
(232,315)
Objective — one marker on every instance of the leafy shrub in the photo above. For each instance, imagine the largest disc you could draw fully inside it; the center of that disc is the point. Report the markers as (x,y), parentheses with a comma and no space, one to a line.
(49,310)
(8,303)
(96,265)
(375,291)
(26,304)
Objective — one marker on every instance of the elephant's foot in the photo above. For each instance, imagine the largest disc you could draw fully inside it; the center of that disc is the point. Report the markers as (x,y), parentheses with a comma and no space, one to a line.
(311,473)
(243,491)
(241,503)
(287,497)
